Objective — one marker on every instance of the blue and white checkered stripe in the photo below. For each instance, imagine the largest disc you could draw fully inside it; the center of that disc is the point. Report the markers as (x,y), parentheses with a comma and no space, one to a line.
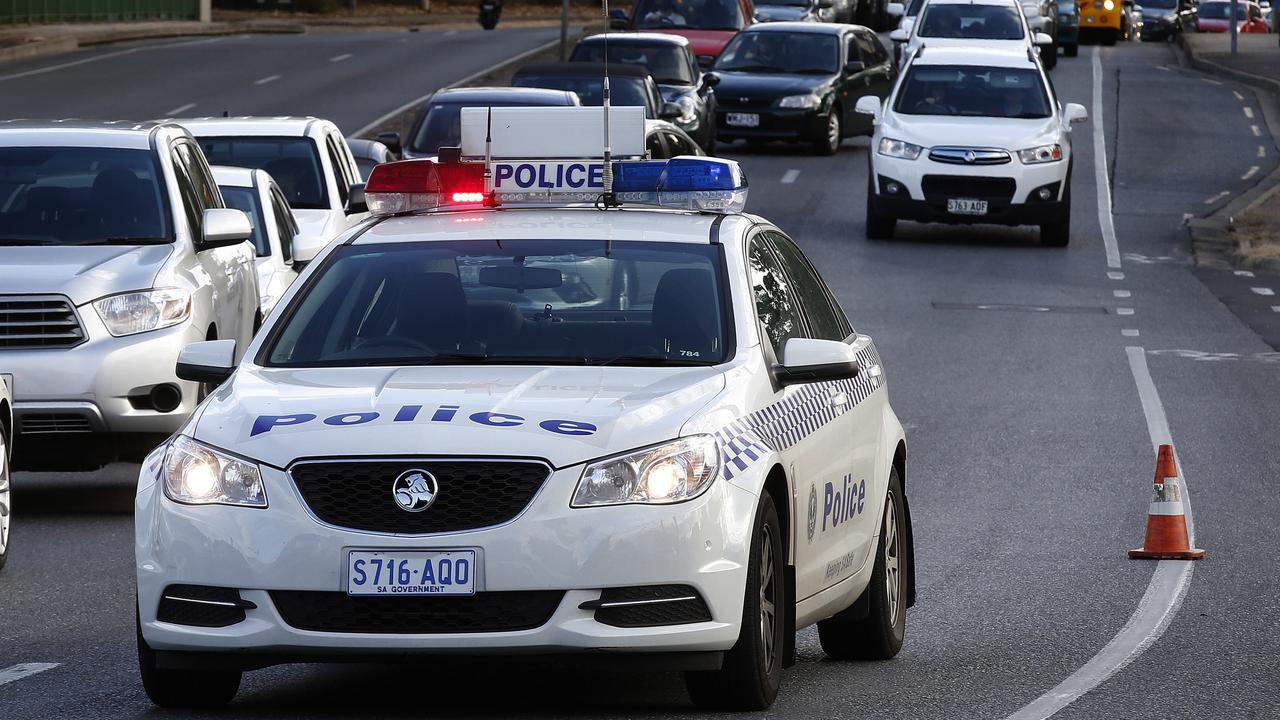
(782,424)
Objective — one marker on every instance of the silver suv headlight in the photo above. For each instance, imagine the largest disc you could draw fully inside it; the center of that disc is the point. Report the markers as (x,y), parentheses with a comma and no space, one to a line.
(196,474)
(1042,154)
(899,149)
(137,312)
(669,473)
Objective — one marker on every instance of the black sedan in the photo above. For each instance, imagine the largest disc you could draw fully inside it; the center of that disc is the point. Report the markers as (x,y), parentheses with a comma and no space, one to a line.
(800,81)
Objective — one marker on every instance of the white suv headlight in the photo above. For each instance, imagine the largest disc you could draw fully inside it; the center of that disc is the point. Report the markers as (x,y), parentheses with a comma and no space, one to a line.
(136,312)
(196,474)
(899,149)
(1042,154)
(668,473)
(800,101)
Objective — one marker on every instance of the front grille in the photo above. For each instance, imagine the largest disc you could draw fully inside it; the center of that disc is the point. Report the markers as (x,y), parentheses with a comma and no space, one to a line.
(969,156)
(651,606)
(479,613)
(40,423)
(941,187)
(47,321)
(471,493)
(201,606)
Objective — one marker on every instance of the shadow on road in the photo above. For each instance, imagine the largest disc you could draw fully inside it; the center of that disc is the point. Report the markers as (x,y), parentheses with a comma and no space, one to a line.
(108,491)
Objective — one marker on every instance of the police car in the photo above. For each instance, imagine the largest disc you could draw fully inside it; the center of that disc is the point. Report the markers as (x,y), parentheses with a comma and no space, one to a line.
(497,419)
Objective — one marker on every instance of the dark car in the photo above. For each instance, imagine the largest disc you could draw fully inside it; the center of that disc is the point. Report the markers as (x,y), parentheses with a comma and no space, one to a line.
(440,122)
(800,81)
(1069,27)
(671,62)
(665,140)
(709,24)
(372,153)
(629,85)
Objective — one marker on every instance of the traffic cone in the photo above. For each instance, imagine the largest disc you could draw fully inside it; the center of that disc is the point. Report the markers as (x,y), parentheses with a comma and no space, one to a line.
(1166,521)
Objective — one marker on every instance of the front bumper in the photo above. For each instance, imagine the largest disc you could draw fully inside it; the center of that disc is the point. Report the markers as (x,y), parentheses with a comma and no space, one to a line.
(775,124)
(548,547)
(1011,190)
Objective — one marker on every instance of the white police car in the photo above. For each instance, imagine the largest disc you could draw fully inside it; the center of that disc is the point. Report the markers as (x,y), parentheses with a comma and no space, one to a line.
(545,427)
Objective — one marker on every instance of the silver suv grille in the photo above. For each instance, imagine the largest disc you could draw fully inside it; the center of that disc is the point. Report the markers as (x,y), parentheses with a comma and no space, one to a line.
(38,321)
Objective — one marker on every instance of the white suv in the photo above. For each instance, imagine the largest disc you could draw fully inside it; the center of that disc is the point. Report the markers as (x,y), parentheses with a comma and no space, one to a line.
(972,136)
(992,24)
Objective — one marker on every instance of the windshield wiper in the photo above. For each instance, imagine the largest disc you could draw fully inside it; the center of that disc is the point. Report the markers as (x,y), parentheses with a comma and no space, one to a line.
(125,240)
(27,241)
(813,71)
(1027,116)
(647,360)
(753,68)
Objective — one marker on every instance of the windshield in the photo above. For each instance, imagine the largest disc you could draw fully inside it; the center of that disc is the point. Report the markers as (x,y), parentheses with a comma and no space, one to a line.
(623,91)
(780,52)
(544,302)
(1220,11)
(442,125)
(667,64)
(81,196)
(973,91)
(247,200)
(1068,7)
(293,162)
(914,8)
(698,14)
(971,22)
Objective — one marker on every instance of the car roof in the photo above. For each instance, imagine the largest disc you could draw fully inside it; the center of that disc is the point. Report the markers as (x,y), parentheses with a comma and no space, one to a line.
(233,176)
(584,69)
(1005,3)
(249,125)
(74,132)
(532,96)
(971,55)
(636,38)
(793,26)
(627,224)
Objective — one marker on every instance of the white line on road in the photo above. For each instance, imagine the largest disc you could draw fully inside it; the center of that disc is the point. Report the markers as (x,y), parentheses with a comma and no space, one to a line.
(1238,95)
(1216,198)
(1115,275)
(179,110)
(1100,177)
(1124,311)
(1267,292)
(1253,170)
(1262,151)
(17,672)
(340,58)
(1248,112)
(1164,593)
(105,56)
(267,79)
(1275,308)
(790,176)
(1129,332)
(1121,293)
(1244,273)
(1211,82)
(1257,132)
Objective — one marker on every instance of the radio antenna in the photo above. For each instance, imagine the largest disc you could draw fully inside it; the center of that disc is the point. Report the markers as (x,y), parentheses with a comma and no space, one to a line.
(490,193)
(607,199)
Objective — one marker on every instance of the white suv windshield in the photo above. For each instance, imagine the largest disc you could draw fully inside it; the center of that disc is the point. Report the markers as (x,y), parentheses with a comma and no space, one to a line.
(81,196)
(553,302)
(971,22)
(973,91)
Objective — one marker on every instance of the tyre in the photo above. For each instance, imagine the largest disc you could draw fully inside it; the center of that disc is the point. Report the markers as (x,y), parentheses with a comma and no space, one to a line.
(6,495)
(879,227)
(184,688)
(1050,56)
(1071,50)
(830,143)
(878,636)
(1058,234)
(752,670)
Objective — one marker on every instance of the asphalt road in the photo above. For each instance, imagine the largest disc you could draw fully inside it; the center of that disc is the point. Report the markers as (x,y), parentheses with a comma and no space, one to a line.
(1014,367)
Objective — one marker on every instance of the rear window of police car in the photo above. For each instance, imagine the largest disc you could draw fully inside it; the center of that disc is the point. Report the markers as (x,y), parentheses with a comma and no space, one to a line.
(555,302)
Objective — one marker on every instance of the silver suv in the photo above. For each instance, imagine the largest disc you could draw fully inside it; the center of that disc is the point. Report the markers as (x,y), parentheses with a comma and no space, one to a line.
(116,251)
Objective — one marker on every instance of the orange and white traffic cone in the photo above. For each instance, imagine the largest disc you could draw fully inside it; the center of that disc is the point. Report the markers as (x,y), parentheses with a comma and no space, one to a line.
(1167,521)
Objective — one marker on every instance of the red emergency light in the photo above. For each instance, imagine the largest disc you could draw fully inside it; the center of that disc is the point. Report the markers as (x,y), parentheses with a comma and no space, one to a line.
(408,185)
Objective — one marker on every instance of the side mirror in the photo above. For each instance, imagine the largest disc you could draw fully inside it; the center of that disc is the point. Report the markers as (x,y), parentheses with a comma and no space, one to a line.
(355,200)
(669,111)
(1043,40)
(899,36)
(617,19)
(869,105)
(1075,114)
(710,80)
(210,361)
(392,140)
(306,247)
(894,9)
(805,360)
(854,66)
(224,227)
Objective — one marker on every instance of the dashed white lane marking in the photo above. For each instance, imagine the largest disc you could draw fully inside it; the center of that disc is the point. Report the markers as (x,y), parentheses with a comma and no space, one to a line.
(1164,68)
(179,110)
(265,80)
(1164,593)
(1121,293)
(1263,291)
(1262,151)
(1257,132)
(1216,198)
(1253,170)
(1100,178)
(1124,311)
(340,58)
(1114,275)
(1275,308)
(105,56)
(1238,95)
(1211,82)
(1129,332)
(1248,112)
(790,176)
(17,672)
(1244,273)
(451,33)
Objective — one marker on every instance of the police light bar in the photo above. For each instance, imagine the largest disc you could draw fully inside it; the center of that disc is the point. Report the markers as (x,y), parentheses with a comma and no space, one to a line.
(685,182)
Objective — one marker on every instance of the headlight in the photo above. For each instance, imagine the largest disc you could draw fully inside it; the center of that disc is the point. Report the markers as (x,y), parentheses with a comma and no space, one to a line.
(688,109)
(1042,154)
(899,149)
(136,312)
(668,473)
(197,474)
(800,101)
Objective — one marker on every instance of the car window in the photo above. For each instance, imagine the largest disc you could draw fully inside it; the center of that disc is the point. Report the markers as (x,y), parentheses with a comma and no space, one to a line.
(656,147)
(667,63)
(248,201)
(973,22)
(293,162)
(873,50)
(826,320)
(776,307)
(696,14)
(286,226)
(557,302)
(623,91)
(781,52)
(190,201)
(339,172)
(201,177)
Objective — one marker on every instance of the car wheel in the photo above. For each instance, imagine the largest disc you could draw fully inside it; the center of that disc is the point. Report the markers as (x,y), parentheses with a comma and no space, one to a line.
(1050,56)
(829,144)
(6,495)
(1055,234)
(879,227)
(184,688)
(878,636)
(1071,50)
(752,670)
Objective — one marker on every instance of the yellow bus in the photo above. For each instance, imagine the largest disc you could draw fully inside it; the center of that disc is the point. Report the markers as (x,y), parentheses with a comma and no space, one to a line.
(1102,19)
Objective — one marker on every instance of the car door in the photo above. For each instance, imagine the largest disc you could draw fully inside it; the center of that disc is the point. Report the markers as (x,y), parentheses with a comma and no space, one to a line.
(810,449)
(856,422)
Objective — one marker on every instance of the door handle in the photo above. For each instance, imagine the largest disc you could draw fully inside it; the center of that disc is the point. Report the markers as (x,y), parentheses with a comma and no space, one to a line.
(840,399)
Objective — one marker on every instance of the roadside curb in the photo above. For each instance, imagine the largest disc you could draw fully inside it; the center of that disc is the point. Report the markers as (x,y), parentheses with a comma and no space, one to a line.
(1212,242)
(71,42)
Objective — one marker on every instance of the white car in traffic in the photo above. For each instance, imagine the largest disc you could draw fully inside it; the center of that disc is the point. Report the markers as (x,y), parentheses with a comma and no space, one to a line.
(446,441)
(274,227)
(991,24)
(972,136)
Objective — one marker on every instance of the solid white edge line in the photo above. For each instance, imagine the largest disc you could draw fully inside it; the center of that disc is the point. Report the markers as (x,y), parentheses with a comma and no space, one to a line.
(1159,604)
(1100,179)
(265,80)
(22,670)
(179,110)
(790,176)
